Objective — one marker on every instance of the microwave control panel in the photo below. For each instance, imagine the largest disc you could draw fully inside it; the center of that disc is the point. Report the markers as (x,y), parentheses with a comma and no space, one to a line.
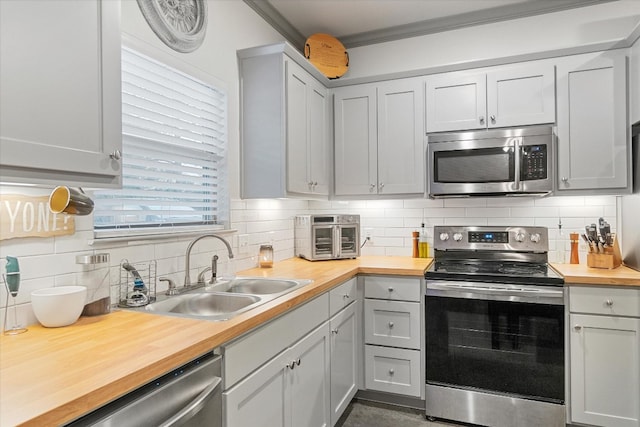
(534,162)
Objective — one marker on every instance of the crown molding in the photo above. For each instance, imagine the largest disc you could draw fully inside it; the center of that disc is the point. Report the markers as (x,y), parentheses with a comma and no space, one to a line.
(486,16)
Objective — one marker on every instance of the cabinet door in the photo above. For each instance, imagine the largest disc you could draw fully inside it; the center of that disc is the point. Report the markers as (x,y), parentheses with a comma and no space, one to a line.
(593,144)
(401,155)
(521,95)
(318,124)
(605,370)
(456,101)
(261,398)
(308,379)
(61,92)
(344,354)
(356,141)
(297,93)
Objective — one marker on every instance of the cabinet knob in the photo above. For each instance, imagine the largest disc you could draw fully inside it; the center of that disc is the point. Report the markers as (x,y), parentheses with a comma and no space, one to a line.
(565,179)
(116,155)
(372,187)
(334,331)
(481,120)
(390,289)
(346,296)
(493,118)
(577,327)
(381,185)
(390,325)
(391,372)
(609,302)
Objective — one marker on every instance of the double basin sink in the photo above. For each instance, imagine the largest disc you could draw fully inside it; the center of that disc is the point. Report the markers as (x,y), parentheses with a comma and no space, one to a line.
(226,299)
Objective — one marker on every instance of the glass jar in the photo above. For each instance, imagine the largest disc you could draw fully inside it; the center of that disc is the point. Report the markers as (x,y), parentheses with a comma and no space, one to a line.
(265,257)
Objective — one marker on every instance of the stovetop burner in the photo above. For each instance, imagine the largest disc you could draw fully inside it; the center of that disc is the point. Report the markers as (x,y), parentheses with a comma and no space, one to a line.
(493,255)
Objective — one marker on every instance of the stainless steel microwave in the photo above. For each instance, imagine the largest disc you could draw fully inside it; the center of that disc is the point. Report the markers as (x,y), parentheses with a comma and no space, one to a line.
(322,237)
(492,163)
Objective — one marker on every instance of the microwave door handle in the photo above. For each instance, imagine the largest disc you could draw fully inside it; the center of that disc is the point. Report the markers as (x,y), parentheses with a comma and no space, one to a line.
(518,160)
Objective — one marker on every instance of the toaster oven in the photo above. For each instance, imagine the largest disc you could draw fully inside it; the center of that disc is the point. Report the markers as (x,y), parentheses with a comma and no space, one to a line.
(323,237)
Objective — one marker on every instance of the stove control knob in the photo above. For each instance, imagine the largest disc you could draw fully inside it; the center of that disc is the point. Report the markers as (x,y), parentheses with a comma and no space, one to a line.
(535,237)
(520,237)
(457,237)
(444,236)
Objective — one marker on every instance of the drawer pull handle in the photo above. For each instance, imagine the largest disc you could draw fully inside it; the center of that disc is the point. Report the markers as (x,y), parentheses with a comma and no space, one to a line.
(390,325)
(609,302)
(390,289)
(346,296)
(577,327)
(298,362)
(391,372)
(334,331)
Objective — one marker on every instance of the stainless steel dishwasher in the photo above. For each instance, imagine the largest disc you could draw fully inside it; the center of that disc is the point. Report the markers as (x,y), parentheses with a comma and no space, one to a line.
(187,396)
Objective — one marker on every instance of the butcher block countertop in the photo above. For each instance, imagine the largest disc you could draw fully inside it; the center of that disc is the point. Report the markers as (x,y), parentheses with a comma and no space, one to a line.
(580,274)
(49,376)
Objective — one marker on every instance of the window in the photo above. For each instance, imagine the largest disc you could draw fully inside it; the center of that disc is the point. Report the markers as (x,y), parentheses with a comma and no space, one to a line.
(174,170)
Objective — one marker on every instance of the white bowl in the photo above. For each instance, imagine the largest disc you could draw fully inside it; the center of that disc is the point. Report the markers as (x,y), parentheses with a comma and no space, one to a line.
(60,306)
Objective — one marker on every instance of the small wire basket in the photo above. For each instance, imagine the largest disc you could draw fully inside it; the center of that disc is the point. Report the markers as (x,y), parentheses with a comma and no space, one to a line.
(137,286)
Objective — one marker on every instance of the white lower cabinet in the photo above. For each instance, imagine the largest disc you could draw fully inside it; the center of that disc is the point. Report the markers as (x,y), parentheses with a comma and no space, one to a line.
(300,369)
(393,335)
(290,390)
(605,356)
(344,360)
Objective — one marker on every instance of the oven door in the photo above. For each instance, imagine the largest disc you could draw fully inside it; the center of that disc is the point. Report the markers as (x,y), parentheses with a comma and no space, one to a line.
(349,239)
(505,339)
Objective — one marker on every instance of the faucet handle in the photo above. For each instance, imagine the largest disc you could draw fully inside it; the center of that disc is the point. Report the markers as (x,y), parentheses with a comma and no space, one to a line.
(172,286)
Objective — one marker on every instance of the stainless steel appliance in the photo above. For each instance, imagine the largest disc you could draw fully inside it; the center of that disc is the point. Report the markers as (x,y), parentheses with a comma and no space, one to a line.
(188,396)
(630,206)
(495,349)
(496,162)
(322,237)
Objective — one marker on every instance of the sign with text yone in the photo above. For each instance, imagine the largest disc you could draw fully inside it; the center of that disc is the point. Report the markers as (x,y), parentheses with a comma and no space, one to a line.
(30,216)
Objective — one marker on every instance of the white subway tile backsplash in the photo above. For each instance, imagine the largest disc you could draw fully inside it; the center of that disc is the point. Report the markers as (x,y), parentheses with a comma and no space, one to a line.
(47,262)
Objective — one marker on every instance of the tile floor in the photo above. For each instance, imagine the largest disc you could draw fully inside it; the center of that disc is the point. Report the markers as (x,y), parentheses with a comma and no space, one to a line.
(362,413)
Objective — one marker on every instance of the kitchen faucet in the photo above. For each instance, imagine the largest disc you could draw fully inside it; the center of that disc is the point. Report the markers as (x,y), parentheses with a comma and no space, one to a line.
(187,279)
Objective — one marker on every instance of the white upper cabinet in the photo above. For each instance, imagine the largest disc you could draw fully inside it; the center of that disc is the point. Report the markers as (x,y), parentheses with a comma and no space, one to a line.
(284,127)
(379,148)
(635,82)
(593,139)
(60,93)
(517,95)
(307,133)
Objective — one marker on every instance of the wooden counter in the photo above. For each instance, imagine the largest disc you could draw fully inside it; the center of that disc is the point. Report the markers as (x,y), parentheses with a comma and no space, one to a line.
(580,274)
(49,376)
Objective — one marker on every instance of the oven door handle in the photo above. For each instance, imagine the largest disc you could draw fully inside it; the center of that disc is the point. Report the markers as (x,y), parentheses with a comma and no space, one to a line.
(496,292)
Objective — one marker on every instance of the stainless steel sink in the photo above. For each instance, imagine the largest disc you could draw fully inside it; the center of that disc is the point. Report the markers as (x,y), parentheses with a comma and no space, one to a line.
(205,305)
(259,286)
(225,299)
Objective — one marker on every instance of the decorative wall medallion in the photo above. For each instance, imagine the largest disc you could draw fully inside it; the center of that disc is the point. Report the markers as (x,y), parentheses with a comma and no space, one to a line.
(180,24)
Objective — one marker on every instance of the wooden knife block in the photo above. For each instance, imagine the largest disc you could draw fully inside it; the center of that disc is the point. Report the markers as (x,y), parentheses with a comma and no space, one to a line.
(611,258)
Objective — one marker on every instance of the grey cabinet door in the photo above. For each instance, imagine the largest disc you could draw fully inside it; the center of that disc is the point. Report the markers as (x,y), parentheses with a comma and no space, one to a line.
(593,142)
(356,141)
(61,93)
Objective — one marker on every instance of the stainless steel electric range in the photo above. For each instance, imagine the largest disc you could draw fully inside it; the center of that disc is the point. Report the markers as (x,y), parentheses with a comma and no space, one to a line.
(494,328)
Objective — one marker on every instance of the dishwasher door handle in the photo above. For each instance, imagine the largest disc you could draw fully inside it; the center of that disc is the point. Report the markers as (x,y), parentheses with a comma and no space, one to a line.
(194,406)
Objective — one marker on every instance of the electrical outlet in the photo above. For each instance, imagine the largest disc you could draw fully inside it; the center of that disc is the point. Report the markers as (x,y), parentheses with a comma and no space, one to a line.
(243,243)
(368,235)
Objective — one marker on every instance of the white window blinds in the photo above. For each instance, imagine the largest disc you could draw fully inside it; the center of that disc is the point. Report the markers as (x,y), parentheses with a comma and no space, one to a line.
(174,146)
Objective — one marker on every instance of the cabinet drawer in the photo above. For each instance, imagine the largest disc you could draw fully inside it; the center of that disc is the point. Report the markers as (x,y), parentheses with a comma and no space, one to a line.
(342,296)
(247,353)
(393,370)
(394,288)
(602,300)
(392,323)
